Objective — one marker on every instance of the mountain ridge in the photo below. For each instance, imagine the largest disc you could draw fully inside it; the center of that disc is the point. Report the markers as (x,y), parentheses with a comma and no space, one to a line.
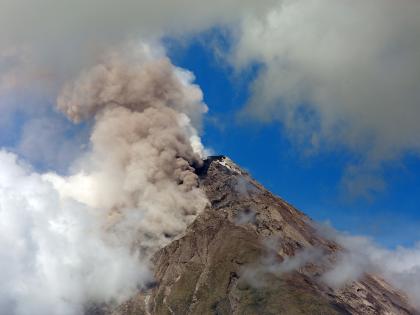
(251,252)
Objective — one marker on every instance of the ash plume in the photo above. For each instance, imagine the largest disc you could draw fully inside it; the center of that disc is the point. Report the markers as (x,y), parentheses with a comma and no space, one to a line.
(144,143)
(87,237)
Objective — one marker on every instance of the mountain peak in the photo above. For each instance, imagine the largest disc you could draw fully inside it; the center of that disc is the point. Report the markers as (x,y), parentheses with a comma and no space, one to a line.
(251,252)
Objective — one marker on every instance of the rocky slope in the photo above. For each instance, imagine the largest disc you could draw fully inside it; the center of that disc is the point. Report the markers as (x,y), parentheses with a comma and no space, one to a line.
(252,253)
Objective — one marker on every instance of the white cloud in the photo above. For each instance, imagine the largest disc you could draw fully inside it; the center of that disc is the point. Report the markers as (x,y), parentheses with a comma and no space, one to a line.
(340,73)
(54,255)
(272,263)
(399,266)
(334,72)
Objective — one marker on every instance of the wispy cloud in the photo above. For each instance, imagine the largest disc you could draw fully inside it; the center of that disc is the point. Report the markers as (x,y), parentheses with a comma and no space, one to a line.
(361,255)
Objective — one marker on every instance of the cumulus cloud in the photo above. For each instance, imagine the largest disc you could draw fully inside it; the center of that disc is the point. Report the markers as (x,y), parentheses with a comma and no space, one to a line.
(338,73)
(55,256)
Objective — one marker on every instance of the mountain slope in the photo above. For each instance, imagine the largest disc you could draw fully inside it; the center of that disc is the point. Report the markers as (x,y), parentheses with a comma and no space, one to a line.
(252,253)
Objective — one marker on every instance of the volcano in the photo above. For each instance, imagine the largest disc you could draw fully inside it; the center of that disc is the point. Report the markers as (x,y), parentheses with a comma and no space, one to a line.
(251,252)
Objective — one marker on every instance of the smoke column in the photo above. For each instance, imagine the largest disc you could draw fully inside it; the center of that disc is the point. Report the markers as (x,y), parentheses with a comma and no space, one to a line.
(86,238)
(143,141)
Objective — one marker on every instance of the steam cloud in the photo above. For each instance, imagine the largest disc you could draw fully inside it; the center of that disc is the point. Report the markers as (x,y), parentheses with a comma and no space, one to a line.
(87,237)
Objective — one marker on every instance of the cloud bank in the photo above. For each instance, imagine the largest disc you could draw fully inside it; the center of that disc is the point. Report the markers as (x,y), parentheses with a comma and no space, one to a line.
(339,74)
(54,40)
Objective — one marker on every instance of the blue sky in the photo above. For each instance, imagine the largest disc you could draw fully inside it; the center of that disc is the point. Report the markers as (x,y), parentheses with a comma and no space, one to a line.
(311,183)
(359,76)
(318,99)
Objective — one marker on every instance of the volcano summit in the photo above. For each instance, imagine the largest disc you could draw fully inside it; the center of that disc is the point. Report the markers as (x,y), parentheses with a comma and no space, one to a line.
(250,252)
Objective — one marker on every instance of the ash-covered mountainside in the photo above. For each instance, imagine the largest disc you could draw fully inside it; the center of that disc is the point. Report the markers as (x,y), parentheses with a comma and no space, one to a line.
(252,253)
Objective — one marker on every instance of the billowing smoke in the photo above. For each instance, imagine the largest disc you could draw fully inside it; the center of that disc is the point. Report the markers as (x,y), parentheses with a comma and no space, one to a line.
(66,242)
(43,44)
(143,141)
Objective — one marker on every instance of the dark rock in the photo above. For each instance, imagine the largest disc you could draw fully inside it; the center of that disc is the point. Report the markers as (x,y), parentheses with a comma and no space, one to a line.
(222,265)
